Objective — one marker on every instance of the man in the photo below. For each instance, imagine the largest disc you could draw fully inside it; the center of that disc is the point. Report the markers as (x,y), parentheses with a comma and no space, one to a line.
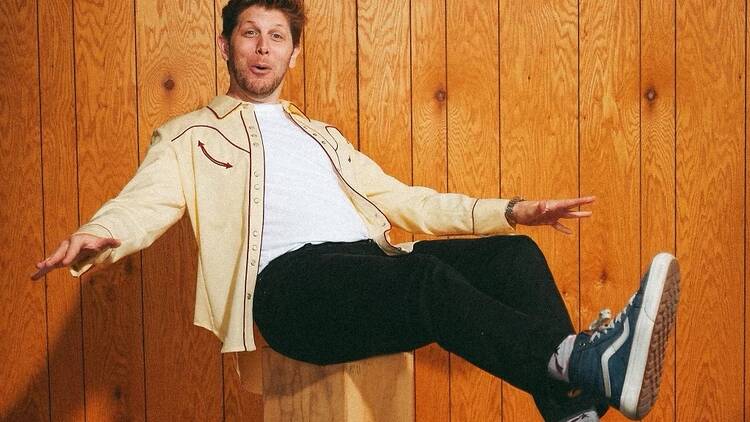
(292,223)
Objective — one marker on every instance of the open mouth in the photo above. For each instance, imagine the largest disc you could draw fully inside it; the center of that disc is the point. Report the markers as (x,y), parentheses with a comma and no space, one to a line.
(260,68)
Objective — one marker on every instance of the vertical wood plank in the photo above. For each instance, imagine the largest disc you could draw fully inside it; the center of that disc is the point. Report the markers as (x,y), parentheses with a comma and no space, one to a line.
(294,82)
(23,349)
(430,168)
(385,89)
(539,135)
(58,128)
(710,208)
(609,155)
(331,76)
(657,160)
(108,156)
(473,160)
(222,74)
(176,74)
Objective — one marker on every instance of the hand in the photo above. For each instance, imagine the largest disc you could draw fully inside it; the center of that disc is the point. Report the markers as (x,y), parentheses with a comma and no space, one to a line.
(550,211)
(74,249)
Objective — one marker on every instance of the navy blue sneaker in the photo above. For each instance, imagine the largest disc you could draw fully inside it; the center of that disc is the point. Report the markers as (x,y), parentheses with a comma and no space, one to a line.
(621,358)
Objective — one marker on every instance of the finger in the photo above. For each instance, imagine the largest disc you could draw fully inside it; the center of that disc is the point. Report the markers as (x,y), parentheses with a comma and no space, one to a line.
(73,250)
(577,214)
(40,273)
(43,271)
(57,255)
(574,202)
(561,227)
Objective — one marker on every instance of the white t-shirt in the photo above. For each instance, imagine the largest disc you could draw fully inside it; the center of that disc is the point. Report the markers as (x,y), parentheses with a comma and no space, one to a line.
(304,202)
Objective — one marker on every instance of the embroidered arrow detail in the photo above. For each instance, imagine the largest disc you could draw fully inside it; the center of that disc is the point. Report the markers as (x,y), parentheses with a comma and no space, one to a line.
(213,160)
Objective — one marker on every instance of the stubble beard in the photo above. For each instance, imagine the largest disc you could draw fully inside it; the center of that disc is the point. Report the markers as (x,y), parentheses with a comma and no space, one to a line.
(256,88)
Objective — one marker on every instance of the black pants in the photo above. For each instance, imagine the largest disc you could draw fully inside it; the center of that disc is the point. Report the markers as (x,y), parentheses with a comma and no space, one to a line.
(492,301)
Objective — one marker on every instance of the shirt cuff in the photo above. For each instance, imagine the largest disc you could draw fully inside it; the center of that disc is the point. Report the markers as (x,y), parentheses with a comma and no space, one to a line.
(489,217)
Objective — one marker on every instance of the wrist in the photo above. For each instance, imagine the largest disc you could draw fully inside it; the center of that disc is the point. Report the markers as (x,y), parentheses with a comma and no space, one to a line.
(509,215)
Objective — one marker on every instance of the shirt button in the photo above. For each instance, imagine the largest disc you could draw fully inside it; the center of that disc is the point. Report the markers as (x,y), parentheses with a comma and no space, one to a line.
(249,296)
(256,173)
(255,144)
(255,233)
(255,247)
(252,263)
(256,200)
(257,187)
(253,135)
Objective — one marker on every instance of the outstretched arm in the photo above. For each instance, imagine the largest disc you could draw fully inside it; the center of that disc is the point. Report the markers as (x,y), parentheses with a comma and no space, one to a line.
(147,206)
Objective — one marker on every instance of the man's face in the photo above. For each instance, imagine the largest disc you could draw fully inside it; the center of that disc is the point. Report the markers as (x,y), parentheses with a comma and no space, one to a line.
(258,54)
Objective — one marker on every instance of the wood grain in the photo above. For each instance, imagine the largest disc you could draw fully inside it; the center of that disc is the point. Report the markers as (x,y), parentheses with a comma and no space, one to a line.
(539,136)
(294,82)
(609,156)
(176,74)
(23,349)
(385,90)
(429,154)
(747,229)
(379,388)
(710,208)
(473,160)
(441,105)
(222,75)
(58,127)
(331,59)
(108,156)
(657,160)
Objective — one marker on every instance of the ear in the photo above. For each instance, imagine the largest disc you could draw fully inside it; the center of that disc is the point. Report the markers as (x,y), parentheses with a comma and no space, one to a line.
(293,59)
(223,45)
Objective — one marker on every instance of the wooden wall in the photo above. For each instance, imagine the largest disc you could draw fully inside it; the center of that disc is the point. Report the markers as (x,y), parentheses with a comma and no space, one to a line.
(642,104)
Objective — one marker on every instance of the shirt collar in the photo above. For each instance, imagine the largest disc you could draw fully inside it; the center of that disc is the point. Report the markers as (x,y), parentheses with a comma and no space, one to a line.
(223,105)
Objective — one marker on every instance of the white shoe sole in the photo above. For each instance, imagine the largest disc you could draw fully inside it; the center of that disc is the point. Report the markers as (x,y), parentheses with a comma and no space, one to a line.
(655,322)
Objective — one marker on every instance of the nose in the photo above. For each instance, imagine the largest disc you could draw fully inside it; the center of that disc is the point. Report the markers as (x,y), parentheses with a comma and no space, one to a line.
(261,47)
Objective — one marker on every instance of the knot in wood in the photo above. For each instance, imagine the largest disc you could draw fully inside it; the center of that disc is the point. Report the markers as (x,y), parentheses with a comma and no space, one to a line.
(168,84)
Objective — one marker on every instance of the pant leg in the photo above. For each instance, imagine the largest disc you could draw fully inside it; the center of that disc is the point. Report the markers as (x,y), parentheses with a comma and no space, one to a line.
(338,302)
(513,270)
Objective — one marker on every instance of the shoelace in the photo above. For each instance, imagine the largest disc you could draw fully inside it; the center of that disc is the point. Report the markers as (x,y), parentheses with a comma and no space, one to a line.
(605,322)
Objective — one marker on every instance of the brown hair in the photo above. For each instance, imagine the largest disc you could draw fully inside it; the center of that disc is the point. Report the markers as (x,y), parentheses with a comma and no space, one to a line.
(292,9)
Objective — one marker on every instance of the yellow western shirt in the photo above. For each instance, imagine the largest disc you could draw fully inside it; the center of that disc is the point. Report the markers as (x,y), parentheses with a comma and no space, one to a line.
(210,163)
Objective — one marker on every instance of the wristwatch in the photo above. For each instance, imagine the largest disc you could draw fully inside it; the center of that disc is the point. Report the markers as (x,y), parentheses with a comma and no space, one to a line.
(509,210)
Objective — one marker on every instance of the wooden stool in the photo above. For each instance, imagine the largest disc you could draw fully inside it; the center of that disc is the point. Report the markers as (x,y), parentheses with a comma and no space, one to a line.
(378,389)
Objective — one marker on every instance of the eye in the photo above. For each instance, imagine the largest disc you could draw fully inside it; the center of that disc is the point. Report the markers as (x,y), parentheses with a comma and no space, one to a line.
(277,36)
(250,33)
